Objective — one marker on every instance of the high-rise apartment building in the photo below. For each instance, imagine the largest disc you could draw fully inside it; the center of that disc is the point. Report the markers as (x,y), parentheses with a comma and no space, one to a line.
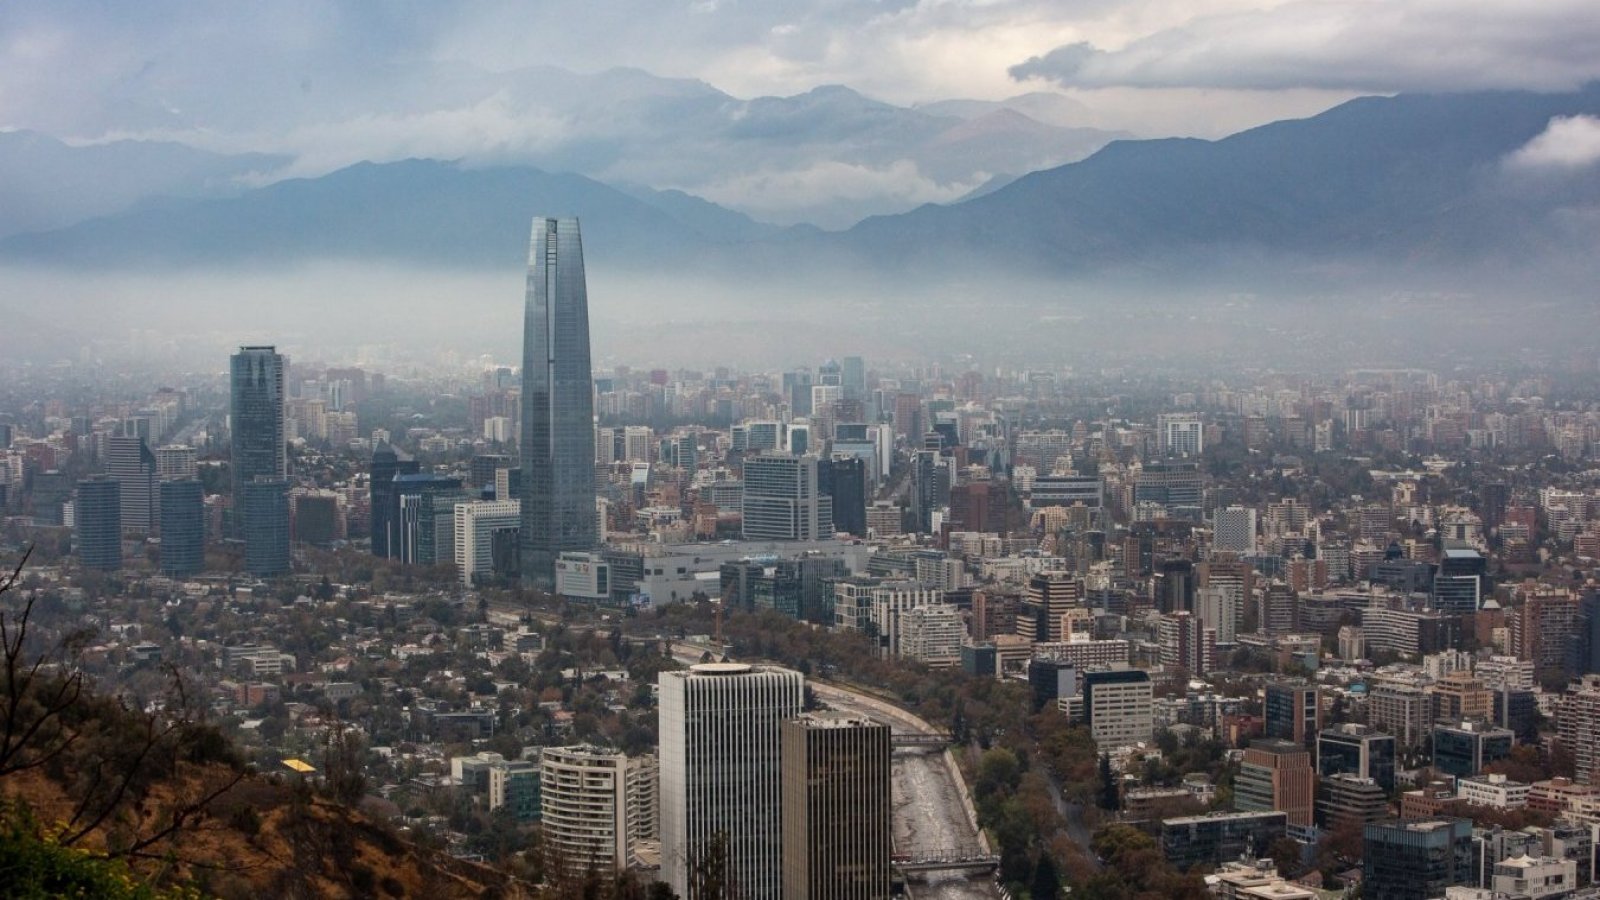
(98,523)
(1578,723)
(183,527)
(931,635)
(558,489)
(836,807)
(1280,610)
(783,500)
(584,801)
(1541,626)
(720,763)
(1402,710)
(259,447)
(1054,594)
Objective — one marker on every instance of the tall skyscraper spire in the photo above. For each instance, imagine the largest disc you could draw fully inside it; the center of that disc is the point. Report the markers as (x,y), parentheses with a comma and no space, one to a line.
(558,508)
(259,448)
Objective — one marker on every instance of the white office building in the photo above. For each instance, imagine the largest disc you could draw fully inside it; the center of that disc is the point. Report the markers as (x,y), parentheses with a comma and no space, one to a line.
(782,500)
(720,763)
(476,524)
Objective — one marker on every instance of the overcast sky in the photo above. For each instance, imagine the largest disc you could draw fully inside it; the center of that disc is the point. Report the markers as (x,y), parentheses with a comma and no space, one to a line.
(75,66)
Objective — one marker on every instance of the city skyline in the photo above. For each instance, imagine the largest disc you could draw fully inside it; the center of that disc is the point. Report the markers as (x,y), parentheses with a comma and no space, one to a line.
(1017,450)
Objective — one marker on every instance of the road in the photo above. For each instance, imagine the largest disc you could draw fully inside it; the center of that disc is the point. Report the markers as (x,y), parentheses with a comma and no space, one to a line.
(1072,814)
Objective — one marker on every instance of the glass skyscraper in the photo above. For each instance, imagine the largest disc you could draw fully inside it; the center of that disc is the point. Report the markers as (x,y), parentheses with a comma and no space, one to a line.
(259,448)
(266,527)
(99,523)
(558,498)
(183,527)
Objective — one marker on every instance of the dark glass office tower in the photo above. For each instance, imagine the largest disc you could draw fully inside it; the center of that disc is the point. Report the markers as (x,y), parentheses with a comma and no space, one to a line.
(386,466)
(259,450)
(558,508)
(183,527)
(266,527)
(98,523)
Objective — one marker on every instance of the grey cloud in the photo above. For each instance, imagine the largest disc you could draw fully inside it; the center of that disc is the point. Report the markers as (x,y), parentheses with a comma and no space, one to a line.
(1063,64)
(1390,46)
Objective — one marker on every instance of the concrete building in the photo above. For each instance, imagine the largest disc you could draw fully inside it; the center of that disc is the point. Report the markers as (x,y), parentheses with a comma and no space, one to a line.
(1494,791)
(836,807)
(1186,643)
(1534,878)
(1400,709)
(1087,654)
(1276,774)
(1180,434)
(932,635)
(1117,706)
(1055,593)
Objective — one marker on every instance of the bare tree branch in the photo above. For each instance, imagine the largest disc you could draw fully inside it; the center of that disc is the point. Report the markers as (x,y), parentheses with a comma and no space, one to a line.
(181,815)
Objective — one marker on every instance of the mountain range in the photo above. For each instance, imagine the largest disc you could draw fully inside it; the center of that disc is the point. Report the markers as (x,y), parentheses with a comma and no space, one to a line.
(829,156)
(1419,180)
